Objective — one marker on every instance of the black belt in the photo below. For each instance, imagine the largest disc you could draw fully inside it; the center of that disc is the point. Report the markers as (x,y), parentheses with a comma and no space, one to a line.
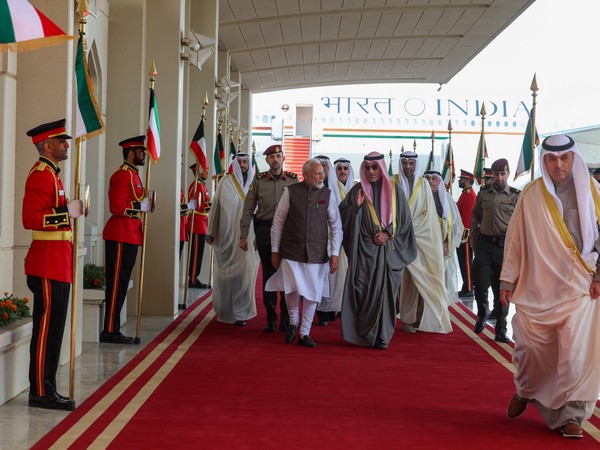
(492,239)
(262,223)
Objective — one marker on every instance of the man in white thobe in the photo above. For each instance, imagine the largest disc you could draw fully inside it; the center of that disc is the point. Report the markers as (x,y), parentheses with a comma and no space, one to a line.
(331,304)
(235,270)
(422,294)
(451,227)
(551,274)
(305,238)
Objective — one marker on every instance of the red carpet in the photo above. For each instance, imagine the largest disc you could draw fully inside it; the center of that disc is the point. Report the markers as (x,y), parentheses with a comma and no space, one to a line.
(222,386)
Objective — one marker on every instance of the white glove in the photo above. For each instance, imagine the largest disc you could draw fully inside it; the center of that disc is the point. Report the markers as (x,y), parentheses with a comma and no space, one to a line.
(192,204)
(75,208)
(145,205)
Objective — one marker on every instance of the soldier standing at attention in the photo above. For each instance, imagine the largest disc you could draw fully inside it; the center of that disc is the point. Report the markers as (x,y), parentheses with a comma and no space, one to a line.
(123,234)
(265,192)
(197,225)
(493,208)
(49,261)
(465,204)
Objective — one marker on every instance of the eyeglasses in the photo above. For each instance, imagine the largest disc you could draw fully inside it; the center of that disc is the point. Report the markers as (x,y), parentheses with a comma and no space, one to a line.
(373,167)
(342,168)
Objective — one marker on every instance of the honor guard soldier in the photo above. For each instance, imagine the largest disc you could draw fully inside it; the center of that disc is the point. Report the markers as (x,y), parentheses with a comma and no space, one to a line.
(488,178)
(49,261)
(492,212)
(465,204)
(197,225)
(265,192)
(123,234)
(184,211)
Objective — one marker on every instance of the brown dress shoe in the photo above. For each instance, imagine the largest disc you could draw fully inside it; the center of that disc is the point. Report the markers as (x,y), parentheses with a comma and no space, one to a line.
(516,407)
(572,430)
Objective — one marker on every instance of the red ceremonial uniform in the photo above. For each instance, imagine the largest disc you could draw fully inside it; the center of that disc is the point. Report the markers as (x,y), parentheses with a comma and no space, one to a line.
(199,219)
(183,213)
(45,212)
(125,192)
(465,204)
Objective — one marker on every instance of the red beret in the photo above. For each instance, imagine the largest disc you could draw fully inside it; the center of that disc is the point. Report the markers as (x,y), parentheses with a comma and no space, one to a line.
(500,165)
(276,148)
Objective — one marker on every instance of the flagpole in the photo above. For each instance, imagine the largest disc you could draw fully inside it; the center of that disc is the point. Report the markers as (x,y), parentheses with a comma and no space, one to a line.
(432,149)
(189,252)
(534,89)
(479,172)
(82,10)
(452,156)
(152,74)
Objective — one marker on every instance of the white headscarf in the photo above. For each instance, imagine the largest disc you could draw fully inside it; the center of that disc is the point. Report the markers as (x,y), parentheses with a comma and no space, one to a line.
(441,192)
(408,155)
(350,181)
(331,178)
(237,172)
(558,145)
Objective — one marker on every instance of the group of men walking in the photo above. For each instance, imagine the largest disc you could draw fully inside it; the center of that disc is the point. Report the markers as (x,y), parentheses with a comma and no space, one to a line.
(373,251)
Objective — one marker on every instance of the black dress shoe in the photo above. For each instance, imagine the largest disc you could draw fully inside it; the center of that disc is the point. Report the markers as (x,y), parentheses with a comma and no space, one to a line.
(323,323)
(290,333)
(480,324)
(49,402)
(270,328)
(502,338)
(240,323)
(198,284)
(115,338)
(306,341)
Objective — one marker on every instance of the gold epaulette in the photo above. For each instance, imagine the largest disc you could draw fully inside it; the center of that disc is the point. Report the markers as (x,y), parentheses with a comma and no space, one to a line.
(514,190)
(262,175)
(291,174)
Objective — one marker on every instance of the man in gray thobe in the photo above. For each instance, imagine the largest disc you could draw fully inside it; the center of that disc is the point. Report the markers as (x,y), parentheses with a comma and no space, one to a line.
(379,241)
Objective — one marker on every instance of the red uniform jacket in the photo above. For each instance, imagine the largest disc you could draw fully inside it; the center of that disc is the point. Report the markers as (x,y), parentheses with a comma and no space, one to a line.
(465,204)
(125,192)
(183,213)
(45,212)
(199,216)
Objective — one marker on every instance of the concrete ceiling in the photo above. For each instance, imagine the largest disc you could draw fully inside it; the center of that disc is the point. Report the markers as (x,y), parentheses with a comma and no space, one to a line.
(283,44)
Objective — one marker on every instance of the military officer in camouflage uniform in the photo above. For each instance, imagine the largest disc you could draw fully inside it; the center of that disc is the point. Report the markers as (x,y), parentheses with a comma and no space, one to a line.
(265,192)
(493,208)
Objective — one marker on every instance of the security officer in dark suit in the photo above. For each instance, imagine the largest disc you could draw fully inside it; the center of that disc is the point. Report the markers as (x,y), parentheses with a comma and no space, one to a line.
(265,192)
(493,208)
(49,261)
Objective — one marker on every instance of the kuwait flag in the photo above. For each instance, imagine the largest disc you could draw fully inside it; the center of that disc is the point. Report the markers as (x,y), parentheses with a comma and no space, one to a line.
(23,27)
(89,119)
(153,140)
(480,159)
(448,172)
(219,156)
(198,146)
(530,141)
